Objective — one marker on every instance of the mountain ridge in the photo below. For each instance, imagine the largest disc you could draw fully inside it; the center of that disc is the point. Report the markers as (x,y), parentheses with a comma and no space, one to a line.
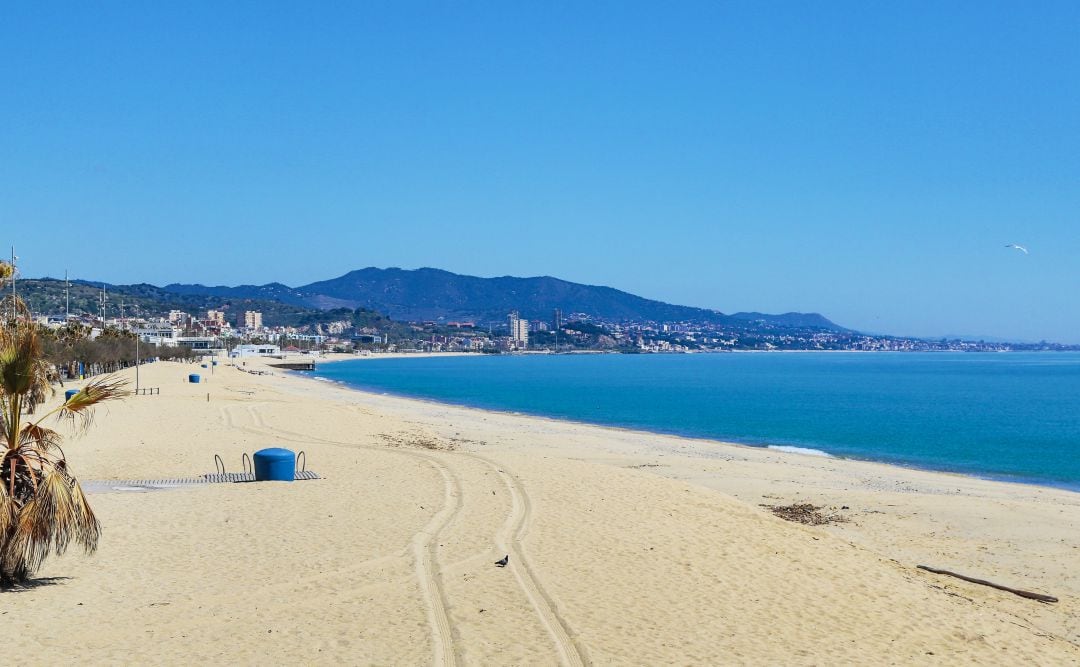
(432,294)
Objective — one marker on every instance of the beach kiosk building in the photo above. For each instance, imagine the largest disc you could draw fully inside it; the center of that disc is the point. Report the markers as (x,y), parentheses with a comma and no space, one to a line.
(241,351)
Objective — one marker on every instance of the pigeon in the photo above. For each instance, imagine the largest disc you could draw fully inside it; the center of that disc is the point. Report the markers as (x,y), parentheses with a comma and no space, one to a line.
(503,561)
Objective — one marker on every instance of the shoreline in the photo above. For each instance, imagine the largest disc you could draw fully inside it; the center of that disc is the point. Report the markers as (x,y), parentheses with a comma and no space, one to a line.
(886,466)
(773,475)
(1001,478)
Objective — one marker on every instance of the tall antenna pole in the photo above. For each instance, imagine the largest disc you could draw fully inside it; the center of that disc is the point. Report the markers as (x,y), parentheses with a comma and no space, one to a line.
(13,274)
(67,297)
(556,321)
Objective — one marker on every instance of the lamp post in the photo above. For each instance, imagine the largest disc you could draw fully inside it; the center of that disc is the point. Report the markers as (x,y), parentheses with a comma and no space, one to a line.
(14,260)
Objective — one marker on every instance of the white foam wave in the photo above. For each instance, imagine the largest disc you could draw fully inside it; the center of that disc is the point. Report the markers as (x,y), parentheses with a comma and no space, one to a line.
(806,451)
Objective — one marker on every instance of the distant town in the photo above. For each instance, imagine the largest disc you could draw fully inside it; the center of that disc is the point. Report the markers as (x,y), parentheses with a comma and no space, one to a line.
(227,330)
(183,321)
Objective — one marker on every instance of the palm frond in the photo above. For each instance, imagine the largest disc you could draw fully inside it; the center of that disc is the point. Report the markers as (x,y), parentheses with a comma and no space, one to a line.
(37,437)
(78,407)
(16,359)
(4,439)
(14,305)
(9,512)
(61,509)
(89,528)
(28,543)
(49,522)
(23,369)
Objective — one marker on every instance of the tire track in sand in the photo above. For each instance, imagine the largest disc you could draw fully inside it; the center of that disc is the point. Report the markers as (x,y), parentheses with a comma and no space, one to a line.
(226,416)
(424,542)
(510,540)
(256,417)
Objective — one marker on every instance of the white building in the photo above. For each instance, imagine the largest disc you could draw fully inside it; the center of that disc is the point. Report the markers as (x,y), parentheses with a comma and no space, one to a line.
(241,351)
(208,344)
(158,335)
(519,330)
(253,319)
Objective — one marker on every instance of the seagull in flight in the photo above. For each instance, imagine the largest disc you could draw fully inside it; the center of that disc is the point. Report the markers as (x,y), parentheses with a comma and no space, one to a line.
(1018,247)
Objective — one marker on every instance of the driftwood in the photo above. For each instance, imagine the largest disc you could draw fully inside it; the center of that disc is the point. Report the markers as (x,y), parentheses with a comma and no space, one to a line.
(1015,591)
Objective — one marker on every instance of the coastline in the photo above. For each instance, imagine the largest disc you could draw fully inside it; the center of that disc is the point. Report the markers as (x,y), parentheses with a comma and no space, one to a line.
(796,450)
(616,538)
(701,445)
(802,449)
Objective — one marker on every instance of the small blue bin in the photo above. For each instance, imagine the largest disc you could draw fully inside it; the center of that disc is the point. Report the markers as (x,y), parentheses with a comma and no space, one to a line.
(193,378)
(274,464)
(214,363)
(69,393)
(203,365)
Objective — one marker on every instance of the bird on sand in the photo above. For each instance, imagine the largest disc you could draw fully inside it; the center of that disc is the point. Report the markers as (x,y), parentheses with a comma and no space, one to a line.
(1017,247)
(503,561)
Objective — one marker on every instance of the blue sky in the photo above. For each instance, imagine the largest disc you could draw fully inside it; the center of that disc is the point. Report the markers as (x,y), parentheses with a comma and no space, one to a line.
(864,160)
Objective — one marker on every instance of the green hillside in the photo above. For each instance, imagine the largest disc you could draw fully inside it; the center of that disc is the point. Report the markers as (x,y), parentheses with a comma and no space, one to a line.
(46,296)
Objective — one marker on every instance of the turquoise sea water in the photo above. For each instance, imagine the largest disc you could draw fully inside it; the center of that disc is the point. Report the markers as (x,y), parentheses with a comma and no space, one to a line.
(1014,416)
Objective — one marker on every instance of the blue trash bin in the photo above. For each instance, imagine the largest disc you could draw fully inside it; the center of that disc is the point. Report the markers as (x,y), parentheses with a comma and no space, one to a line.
(69,393)
(274,464)
(193,378)
(203,365)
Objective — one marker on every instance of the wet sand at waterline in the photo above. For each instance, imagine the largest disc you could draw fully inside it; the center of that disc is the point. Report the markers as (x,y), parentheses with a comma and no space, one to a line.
(625,547)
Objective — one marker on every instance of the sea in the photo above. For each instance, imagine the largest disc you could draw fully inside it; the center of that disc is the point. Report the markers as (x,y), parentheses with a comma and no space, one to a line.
(1012,416)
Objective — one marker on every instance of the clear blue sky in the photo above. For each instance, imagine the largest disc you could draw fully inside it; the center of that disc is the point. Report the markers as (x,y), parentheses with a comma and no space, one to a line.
(866,160)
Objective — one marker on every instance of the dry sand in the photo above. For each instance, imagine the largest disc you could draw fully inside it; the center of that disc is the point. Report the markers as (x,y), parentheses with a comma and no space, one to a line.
(625,547)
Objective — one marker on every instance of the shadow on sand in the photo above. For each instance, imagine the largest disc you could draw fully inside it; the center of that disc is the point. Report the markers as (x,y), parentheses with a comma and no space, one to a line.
(34,583)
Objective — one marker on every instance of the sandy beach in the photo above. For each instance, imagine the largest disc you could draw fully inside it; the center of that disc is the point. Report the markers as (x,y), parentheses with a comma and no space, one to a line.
(624,547)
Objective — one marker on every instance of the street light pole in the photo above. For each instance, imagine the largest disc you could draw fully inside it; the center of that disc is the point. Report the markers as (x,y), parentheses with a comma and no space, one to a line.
(13,272)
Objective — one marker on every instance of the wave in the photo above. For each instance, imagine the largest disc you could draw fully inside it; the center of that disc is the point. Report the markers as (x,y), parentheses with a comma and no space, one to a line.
(806,451)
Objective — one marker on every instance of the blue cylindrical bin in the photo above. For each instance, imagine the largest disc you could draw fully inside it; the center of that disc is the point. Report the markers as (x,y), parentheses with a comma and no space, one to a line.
(203,365)
(214,363)
(274,464)
(69,393)
(193,378)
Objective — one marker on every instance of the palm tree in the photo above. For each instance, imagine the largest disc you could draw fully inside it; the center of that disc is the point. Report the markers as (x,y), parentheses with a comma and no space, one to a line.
(42,507)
